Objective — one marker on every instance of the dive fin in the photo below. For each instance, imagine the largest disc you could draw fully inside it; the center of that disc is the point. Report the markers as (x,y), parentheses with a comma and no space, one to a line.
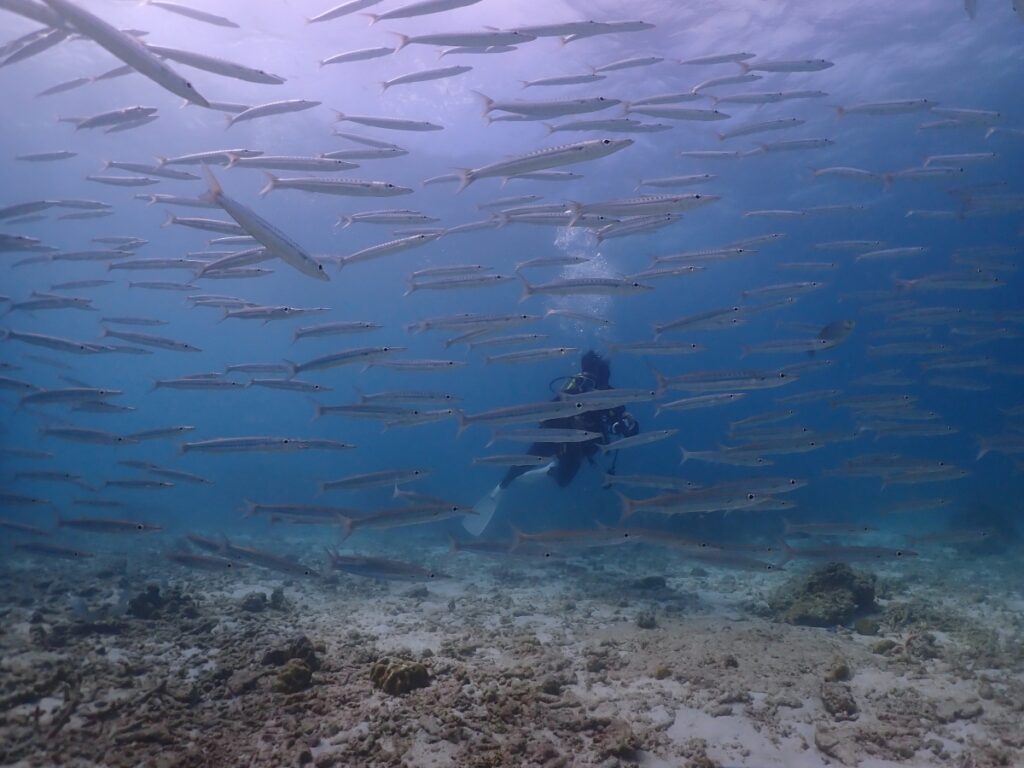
(484,509)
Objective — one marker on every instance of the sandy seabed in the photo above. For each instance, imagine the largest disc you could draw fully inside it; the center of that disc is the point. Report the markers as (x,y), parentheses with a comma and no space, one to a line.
(613,658)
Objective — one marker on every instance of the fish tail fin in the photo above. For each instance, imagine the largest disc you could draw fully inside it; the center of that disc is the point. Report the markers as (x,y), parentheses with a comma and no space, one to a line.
(628,507)
(902,285)
(487,101)
(744,67)
(745,350)
(453,545)
(332,555)
(577,211)
(346,527)
(465,178)
(840,112)
(347,219)
(374,18)
(549,128)
(410,286)
(463,423)
(249,508)
(887,181)
(383,86)
(660,381)
(517,539)
(685,455)
(720,135)
(214,189)
(403,40)
(983,449)
(169,219)
(269,186)
(233,159)
(788,553)
(528,290)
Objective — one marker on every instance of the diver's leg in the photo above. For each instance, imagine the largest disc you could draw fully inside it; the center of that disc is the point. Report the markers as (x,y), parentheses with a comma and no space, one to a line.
(566,468)
(535,449)
(485,509)
(511,475)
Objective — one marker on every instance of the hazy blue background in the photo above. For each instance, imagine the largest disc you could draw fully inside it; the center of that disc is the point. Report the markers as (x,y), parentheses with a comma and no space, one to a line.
(881,50)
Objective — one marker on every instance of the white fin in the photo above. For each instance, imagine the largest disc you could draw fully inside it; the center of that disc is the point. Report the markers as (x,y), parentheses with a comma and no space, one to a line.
(485,508)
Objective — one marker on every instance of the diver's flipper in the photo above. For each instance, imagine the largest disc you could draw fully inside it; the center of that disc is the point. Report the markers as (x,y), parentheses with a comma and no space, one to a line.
(485,509)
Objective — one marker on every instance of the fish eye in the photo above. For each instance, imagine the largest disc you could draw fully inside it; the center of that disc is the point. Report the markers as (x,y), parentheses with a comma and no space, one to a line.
(750,497)
(606,141)
(899,553)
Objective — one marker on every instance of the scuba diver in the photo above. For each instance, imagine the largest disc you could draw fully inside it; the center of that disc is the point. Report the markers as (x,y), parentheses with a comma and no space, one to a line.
(566,458)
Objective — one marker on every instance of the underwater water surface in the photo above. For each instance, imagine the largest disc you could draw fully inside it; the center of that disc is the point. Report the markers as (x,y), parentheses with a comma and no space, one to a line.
(486,383)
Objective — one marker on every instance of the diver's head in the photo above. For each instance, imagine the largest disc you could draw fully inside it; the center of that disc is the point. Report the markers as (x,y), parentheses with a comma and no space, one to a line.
(597,369)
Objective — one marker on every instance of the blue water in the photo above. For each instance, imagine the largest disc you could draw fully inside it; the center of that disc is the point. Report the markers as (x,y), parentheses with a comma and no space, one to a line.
(881,52)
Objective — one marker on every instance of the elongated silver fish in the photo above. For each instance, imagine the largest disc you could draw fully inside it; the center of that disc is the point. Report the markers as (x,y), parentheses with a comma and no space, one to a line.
(345,187)
(552,157)
(193,13)
(363,54)
(273,239)
(381,568)
(382,478)
(424,75)
(644,438)
(217,66)
(127,48)
(260,444)
(284,107)
(106,525)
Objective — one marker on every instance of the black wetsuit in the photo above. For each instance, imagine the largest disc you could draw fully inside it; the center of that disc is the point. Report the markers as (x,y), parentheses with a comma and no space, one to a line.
(570,455)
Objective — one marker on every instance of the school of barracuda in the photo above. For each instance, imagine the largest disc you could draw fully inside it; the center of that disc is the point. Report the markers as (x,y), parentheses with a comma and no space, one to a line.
(916,329)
